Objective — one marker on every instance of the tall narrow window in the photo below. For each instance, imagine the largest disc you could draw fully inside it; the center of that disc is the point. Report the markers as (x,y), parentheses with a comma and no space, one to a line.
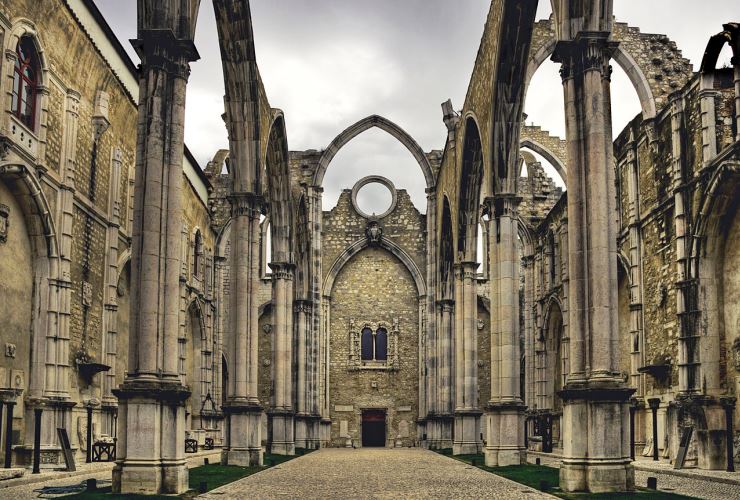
(198,254)
(381,345)
(366,342)
(25,82)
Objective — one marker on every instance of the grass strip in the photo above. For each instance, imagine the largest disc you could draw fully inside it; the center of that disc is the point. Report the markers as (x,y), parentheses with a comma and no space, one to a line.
(535,475)
(214,475)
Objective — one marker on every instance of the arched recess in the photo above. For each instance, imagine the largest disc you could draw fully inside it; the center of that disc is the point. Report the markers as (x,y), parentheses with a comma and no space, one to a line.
(385,243)
(279,191)
(303,251)
(556,359)
(471,179)
(39,223)
(551,157)
(446,253)
(624,286)
(715,261)
(192,366)
(625,60)
(367,123)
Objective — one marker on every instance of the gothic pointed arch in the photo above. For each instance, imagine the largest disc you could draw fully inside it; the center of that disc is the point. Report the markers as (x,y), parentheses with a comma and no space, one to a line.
(471,180)
(446,251)
(637,54)
(361,126)
(384,243)
(280,200)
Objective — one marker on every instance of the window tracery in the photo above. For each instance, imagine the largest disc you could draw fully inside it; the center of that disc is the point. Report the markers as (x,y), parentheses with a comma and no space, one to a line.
(373,345)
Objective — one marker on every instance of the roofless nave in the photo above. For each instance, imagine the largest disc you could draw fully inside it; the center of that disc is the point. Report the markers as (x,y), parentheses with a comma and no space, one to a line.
(582,309)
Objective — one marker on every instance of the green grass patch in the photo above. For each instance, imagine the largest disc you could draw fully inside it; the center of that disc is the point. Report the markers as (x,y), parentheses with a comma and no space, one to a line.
(214,475)
(533,476)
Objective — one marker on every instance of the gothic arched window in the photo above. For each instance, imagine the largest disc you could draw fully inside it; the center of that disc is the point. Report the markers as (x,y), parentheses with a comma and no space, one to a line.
(381,345)
(366,344)
(25,82)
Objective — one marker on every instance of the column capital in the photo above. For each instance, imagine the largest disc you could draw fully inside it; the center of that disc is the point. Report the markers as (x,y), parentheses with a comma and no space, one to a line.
(446,305)
(588,51)
(159,48)
(282,270)
(502,204)
(302,305)
(246,203)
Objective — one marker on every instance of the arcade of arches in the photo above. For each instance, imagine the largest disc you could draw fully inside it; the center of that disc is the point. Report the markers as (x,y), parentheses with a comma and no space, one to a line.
(228,308)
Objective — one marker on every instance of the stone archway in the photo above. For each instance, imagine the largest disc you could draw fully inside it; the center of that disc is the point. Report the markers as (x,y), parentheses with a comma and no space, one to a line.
(365,124)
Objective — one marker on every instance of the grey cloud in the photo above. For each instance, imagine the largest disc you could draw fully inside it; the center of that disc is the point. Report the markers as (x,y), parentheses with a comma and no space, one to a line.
(329,63)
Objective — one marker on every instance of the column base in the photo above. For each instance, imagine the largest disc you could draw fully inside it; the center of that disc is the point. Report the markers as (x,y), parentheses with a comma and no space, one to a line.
(151,442)
(466,439)
(147,477)
(596,456)
(301,430)
(325,431)
(282,440)
(243,443)
(505,434)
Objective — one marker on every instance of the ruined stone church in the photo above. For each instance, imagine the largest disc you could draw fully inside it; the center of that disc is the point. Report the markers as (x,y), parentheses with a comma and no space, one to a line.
(146,299)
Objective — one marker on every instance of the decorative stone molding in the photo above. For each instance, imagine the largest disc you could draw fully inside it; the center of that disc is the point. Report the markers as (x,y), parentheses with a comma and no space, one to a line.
(4,222)
(374,179)
(374,233)
(355,345)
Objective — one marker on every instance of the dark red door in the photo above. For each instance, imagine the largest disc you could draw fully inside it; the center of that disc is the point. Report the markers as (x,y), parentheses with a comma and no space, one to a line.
(373,428)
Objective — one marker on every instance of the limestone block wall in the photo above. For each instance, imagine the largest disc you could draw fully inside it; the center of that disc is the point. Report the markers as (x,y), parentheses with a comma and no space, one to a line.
(374,287)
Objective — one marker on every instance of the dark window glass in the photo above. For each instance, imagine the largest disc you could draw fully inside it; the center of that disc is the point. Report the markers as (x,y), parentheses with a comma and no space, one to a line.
(367,344)
(381,345)
(25,84)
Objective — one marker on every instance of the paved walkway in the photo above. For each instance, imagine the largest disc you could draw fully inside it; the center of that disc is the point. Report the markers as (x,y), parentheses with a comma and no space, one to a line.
(709,485)
(373,473)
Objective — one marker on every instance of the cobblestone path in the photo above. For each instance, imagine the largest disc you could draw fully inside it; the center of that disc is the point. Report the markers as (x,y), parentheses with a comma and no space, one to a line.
(374,473)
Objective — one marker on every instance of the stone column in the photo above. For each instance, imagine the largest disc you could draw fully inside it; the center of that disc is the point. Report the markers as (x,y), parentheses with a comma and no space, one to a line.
(596,454)
(51,367)
(306,421)
(429,362)
(635,249)
(243,411)
(467,415)
(151,457)
(505,410)
(529,330)
(109,350)
(445,334)
(282,414)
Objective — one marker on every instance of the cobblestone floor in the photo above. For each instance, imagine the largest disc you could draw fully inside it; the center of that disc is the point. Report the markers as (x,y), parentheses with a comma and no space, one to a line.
(707,487)
(374,473)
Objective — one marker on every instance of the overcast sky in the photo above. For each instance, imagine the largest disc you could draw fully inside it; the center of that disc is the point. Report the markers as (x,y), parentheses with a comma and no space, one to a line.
(329,63)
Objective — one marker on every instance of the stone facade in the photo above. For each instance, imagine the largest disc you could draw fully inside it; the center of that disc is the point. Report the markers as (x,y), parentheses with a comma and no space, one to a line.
(68,185)
(251,334)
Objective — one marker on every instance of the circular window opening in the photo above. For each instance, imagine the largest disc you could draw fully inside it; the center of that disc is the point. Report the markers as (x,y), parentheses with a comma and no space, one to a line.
(374,197)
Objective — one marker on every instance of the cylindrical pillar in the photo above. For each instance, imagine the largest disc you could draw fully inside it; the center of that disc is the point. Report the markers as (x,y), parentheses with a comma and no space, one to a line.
(9,434)
(633,408)
(654,405)
(88,447)
(729,406)
(37,440)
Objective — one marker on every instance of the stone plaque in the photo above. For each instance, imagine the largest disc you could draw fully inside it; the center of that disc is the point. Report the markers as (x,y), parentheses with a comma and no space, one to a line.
(403,408)
(403,429)
(343,428)
(344,408)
